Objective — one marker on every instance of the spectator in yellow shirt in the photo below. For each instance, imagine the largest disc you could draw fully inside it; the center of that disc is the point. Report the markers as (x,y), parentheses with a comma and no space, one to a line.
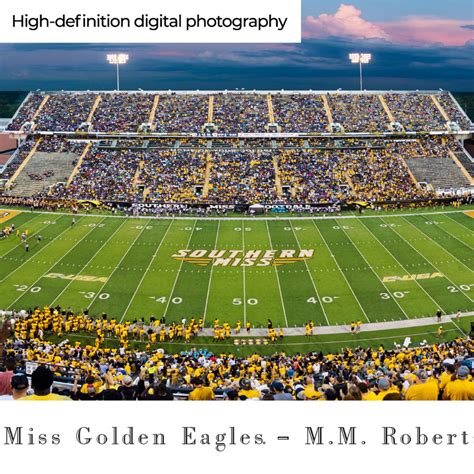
(423,388)
(460,388)
(385,388)
(200,392)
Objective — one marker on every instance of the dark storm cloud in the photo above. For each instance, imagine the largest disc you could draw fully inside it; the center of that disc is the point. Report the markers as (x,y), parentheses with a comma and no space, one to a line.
(316,64)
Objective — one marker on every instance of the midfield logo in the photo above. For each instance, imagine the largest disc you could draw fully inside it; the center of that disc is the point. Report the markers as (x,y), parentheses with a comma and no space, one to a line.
(241,258)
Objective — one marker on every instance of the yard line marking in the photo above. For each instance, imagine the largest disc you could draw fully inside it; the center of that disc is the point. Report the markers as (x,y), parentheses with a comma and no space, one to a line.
(117,266)
(177,274)
(342,273)
(146,271)
(403,266)
(210,275)
(459,223)
(53,265)
(460,329)
(89,261)
(243,275)
(39,251)
(373,271)
(453,236)
(278,277)
(431,263)
(310,276)
(440,246)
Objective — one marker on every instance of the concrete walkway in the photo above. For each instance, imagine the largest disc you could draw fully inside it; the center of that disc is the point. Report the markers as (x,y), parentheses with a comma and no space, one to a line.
(345,329)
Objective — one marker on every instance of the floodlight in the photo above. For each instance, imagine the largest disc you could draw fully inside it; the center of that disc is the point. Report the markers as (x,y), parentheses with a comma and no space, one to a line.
(117,59)
(360,58)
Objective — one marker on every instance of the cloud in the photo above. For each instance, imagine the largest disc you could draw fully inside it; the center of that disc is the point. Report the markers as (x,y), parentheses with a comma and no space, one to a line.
(346,22)
(426,30)
(314,64)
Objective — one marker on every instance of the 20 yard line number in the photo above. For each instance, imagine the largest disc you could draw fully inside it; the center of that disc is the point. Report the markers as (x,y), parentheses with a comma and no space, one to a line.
(23,288)
(454,289)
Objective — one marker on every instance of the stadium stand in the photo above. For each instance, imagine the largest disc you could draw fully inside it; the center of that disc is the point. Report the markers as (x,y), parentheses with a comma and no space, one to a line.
(175,113)
(358,113)
(300,113)
(318,148)
(122,112)
(96,371)
(65,112)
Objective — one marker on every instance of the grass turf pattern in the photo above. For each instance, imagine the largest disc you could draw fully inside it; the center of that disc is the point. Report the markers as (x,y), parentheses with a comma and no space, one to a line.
(124,267)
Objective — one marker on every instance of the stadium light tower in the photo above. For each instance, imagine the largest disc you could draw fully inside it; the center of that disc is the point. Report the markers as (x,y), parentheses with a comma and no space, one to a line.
(117,59)
(360,58)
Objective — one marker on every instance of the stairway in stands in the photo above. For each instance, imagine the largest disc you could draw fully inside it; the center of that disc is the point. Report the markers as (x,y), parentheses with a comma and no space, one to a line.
(60,164)
(441,173)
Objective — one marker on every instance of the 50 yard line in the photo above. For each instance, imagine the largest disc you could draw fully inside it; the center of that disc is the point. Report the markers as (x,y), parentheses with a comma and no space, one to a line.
(243,275)
(277,276)
(210,276)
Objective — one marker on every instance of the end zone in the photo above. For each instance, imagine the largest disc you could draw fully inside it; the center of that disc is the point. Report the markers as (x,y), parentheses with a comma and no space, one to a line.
(6,214)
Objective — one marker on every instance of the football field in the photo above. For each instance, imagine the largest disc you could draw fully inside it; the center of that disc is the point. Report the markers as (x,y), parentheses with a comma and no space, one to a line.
(393,266)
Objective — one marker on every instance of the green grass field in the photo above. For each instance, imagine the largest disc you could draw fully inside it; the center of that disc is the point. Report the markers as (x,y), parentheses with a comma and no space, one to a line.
(380,268)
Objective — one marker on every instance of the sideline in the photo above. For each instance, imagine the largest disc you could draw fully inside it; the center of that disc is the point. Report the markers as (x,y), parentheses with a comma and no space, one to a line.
(345,329)
(251,218)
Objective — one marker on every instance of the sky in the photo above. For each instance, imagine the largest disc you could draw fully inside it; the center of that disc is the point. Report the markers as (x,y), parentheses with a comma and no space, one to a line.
(415,44)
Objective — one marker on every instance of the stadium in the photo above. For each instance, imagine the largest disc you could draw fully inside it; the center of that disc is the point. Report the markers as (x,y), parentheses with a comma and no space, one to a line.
(247,244)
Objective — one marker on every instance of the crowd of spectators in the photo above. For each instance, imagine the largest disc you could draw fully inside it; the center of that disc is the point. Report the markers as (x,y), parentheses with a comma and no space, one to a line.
(242,176)
(300,113)
(26,112)
(358,112)
(453,111)
(312,175)
(415,112)
(122,112)
(176,113)
(65,112)
(377,176)
(105,367)
(20,154)
(237,112)
(240,113)
(103,175)
(172,176)
(320,171)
